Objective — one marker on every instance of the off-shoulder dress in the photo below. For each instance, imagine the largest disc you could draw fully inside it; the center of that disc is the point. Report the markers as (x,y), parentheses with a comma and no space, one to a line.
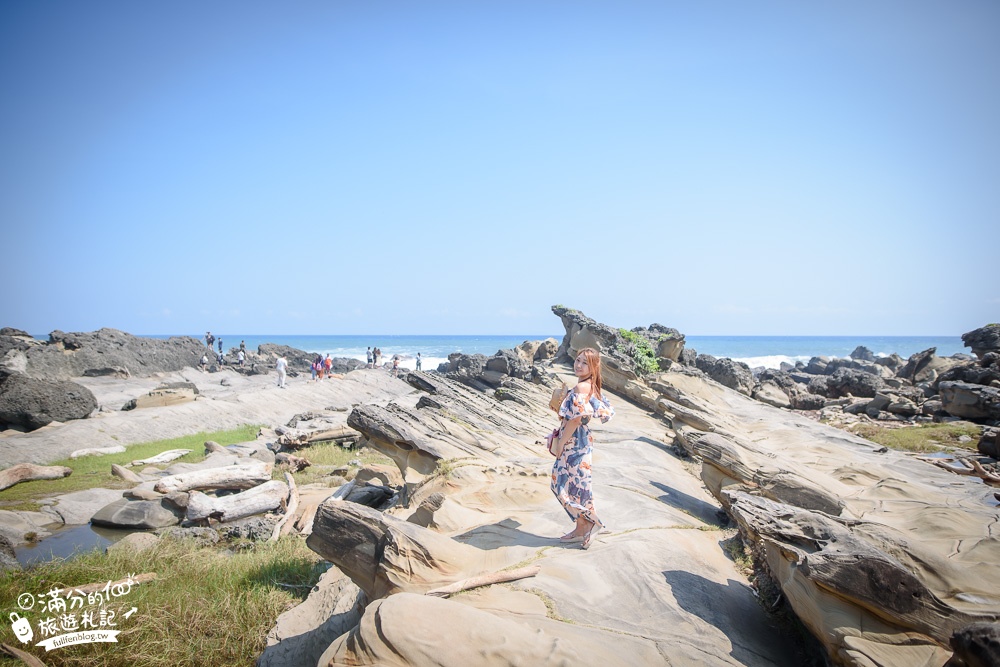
(571,473)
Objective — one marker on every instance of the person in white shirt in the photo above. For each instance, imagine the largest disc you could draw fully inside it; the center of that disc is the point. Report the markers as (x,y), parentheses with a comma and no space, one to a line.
(282,368)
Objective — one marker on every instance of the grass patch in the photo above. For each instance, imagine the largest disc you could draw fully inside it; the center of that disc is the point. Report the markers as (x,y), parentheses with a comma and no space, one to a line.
(921,437)
(325,456)
(735,548)
(95,471)
(206,607)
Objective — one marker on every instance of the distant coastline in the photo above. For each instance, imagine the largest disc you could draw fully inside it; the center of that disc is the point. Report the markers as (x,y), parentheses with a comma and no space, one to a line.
(755,351)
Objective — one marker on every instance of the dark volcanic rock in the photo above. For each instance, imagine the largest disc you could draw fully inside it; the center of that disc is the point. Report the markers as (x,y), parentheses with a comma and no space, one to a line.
(15,339)
(893,362)
(299,360)
(807,401)
(857,383)
(509,363)
(33,403)
(916,363)
(866,366)
(69,355)
(970,401)
(989,442)
(862,353)
(817,365)
(780,378)
(983,340)
(977,645)
(8,557)
(972,373)
(733,374)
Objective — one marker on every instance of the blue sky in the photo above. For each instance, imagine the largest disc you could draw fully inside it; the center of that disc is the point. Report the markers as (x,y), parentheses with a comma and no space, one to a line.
(727,168)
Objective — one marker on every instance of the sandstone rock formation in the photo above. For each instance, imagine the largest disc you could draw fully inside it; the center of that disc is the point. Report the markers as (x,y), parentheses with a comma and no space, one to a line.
(478,502)
(887,560)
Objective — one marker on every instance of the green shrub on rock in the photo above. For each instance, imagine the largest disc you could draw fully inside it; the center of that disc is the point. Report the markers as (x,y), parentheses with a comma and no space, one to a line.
(640,351)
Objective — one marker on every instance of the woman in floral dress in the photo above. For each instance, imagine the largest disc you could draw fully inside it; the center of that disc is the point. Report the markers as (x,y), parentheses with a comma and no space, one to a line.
(571,474)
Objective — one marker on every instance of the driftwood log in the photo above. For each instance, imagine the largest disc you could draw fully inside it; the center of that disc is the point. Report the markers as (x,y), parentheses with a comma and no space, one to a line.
(485,580)
(284,526)
(23,656)
(98,451)
(969,467)
(292,438)
(163,457)
(27,472)
(212,446)
(243,476)
(263,498)
(125,474)
(296,463)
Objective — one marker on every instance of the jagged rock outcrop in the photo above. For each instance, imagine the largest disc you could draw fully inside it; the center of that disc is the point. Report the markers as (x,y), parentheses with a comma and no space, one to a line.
(925,366)
(733,374)
(299,361)
(862,353)
(441,426)
(620,354)
(489,373)
(972,401)
(32,403)
(854,382)
(70,355)
(983,340)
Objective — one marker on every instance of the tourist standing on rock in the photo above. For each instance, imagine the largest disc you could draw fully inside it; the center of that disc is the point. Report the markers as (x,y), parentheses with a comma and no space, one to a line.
(574,446)
(328,365)
(204,363)
(220,346)
(395,365)
(241,357)
(209,338)
(369,355)
(419,361)
(282,367)
(378,355)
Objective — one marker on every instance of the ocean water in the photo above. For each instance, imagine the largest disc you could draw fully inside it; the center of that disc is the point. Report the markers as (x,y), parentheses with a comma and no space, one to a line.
(767,351)
(770,351)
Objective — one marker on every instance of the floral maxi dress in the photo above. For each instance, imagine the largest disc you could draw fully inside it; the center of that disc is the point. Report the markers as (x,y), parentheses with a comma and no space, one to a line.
(571,474)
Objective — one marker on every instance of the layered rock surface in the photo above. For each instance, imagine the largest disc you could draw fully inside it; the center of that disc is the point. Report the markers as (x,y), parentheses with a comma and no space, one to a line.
(656,589)
(883,557)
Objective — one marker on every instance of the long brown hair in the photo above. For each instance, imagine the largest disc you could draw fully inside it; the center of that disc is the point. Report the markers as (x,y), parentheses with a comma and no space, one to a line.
(593,358)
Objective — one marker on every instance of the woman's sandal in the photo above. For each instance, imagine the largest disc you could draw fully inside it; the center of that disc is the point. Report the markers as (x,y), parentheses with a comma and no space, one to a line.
(570,538)
(588,539)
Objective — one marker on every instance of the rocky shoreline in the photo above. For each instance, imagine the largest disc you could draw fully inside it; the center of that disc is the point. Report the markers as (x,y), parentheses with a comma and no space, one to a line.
(884,558)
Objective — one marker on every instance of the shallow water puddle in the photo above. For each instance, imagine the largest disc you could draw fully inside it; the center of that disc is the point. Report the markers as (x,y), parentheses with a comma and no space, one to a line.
(68,541)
